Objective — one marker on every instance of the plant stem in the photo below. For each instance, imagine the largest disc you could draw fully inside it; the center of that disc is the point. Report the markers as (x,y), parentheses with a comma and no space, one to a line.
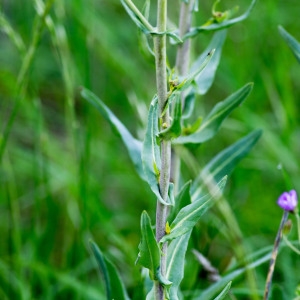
(142,19)
(182,67)
(274,255)
(161,85)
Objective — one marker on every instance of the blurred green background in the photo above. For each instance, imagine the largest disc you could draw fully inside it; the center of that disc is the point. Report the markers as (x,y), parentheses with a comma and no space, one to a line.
(65,177)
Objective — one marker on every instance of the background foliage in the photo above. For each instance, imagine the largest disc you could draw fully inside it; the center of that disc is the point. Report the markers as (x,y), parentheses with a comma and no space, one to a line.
(64,177)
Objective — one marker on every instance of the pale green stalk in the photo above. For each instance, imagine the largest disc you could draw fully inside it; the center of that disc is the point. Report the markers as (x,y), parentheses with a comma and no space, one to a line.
(142,19)
(161,85)
(182,67)
(274,255)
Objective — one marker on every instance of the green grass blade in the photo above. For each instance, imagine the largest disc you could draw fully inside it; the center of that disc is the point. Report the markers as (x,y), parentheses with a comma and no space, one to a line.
(291,41)
(118,290)
(224,292)
(103,268)
(133,145)
(12,34)
(215,288)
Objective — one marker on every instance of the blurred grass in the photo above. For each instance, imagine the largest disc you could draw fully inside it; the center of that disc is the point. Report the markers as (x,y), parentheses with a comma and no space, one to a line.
(64,176)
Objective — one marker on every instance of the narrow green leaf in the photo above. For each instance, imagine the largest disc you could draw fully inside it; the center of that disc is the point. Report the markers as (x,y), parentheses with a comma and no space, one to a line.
(137,17)
(134,146)
(217,26)
(12,34)
(149,255)
(151,151)
(291,41)
(118,290)
(113,284)
(182,199)
(189,104)
(190,214)
(224,163)
(174,130)
(176,261)
(143,24)
(102,267)
(187,81)
(206,78)
(211,124)
(224,291)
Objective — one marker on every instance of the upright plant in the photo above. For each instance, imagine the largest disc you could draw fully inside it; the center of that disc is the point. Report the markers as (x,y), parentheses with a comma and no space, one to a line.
(179,205)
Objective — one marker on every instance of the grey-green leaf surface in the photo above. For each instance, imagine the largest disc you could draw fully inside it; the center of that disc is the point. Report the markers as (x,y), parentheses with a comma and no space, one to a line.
(175,262)
(134,146)
(189,215)
(215,118)
(217,26)
(187,81)
(174,130)
(149,255)
(151,151)
(291,41)
(225,291)
(189,105)
(113,284)
(182,199)
(206,78)
(224,162)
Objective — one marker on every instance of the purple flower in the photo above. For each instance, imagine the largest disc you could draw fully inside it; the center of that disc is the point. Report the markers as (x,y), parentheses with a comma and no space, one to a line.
(288,200)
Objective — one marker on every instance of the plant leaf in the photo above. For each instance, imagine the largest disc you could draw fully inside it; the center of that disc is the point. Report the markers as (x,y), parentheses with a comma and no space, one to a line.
(211,124)
(187,81)
(189,104)
(217,26)
(136,18)
(176,261)
(291,41)
(189,215)
(224,291)
(224,162)
(182,199)
(149,255)
(151,151)
(134,146)
(174,130)
(113,284)
(206,78)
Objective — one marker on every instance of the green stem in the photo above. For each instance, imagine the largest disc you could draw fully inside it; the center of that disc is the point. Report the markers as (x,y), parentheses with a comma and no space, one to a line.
(22,76)
(137,12)
(182,67)
(274,255)
(161,85)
